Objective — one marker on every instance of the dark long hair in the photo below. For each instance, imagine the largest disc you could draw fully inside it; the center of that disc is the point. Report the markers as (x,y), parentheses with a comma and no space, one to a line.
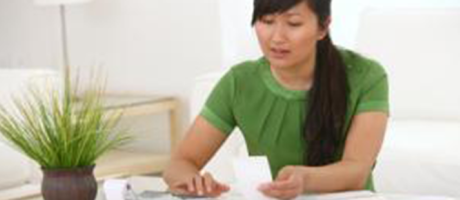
(327,105)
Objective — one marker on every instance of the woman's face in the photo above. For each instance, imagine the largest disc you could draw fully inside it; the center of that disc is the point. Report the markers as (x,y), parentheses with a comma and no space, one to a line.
(289,39)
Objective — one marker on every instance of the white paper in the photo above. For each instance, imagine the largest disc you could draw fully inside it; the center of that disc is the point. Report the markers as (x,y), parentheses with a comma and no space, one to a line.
(250,172)
(361,195)
(415,197)
(115,189)
(143,183)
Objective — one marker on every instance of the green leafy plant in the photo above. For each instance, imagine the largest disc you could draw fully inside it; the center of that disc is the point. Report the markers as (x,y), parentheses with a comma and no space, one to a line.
(59,131)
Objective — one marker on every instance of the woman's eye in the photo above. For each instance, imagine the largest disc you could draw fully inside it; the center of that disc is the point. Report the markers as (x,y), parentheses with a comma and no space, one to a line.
(294,24)
(267,21)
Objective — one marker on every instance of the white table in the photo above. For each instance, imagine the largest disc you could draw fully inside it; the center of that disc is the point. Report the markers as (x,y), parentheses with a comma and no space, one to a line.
(141,183)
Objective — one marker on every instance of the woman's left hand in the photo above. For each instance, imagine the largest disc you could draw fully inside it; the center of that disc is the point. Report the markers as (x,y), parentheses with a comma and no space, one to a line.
(288,184)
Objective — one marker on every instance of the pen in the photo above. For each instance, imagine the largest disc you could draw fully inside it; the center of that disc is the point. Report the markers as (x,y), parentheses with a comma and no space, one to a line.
(131,192)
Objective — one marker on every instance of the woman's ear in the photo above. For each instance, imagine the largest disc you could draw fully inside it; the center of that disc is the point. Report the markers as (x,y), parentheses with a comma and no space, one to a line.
(324,28)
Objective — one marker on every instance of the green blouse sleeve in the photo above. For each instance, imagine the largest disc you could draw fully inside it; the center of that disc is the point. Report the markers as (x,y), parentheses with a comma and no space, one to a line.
(374,94)
(218,109)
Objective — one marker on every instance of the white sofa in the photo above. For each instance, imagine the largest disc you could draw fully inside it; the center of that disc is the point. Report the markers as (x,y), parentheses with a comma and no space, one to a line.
(19,175)
(419,49)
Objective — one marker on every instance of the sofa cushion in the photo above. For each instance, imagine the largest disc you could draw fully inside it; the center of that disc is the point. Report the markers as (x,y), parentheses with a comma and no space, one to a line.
(15,169)
(420,157)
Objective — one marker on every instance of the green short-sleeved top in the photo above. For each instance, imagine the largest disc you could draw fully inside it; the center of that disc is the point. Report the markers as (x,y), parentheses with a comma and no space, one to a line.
(271,117)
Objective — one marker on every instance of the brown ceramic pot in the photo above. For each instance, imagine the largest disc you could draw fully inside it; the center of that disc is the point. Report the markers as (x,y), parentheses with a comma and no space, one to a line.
(69,184)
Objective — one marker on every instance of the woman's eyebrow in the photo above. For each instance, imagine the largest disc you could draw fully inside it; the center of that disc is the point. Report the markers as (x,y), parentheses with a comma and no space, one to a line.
(293,13)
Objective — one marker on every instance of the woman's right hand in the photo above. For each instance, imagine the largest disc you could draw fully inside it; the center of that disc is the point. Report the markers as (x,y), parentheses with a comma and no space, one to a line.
(198,185)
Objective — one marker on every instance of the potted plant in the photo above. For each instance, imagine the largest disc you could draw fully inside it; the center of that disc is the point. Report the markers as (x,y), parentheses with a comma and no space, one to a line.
(64,135)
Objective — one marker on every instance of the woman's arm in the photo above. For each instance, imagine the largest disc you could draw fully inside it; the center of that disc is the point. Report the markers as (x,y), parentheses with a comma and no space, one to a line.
(199,145)
(361,149)
(362,146)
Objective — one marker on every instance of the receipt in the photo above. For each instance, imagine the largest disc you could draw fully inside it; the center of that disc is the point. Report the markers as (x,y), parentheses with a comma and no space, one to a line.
(115,189)
(250,172)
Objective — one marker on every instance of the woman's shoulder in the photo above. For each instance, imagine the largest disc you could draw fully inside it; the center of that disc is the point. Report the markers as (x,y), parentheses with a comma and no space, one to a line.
(247,68)
(361,67)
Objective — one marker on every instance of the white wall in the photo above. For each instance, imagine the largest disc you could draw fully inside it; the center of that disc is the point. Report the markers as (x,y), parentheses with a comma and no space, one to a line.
(153,46)
(346,14)
(29,37)
(239,42)
(238,39)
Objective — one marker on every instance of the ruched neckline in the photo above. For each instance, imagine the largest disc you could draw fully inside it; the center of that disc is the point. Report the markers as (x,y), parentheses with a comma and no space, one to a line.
(276,87)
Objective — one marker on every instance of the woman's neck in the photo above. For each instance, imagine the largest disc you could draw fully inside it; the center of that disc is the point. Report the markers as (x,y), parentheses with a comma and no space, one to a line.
(296,77)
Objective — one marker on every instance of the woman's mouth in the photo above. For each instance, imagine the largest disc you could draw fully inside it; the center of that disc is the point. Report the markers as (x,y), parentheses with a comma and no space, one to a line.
(279,53)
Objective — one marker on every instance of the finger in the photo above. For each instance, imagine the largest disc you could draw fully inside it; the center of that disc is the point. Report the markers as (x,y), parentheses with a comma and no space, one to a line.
(215,193)
(285,173)
(285,184)
(223,187)
(278,185)
(209,182)
(179,184)
(216,185)
(282,194)
(181,188)
(198,182)
(180,191)
(178,188)
(218,190)
(190,186)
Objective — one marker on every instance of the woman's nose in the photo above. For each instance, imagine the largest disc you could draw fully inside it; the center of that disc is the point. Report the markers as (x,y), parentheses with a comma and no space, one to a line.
(278,34)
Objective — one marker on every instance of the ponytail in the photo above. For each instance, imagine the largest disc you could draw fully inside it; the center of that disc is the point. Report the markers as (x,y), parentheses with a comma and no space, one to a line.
(327,106)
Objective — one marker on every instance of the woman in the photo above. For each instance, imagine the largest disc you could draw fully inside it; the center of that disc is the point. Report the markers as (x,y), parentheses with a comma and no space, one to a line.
(319,113)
